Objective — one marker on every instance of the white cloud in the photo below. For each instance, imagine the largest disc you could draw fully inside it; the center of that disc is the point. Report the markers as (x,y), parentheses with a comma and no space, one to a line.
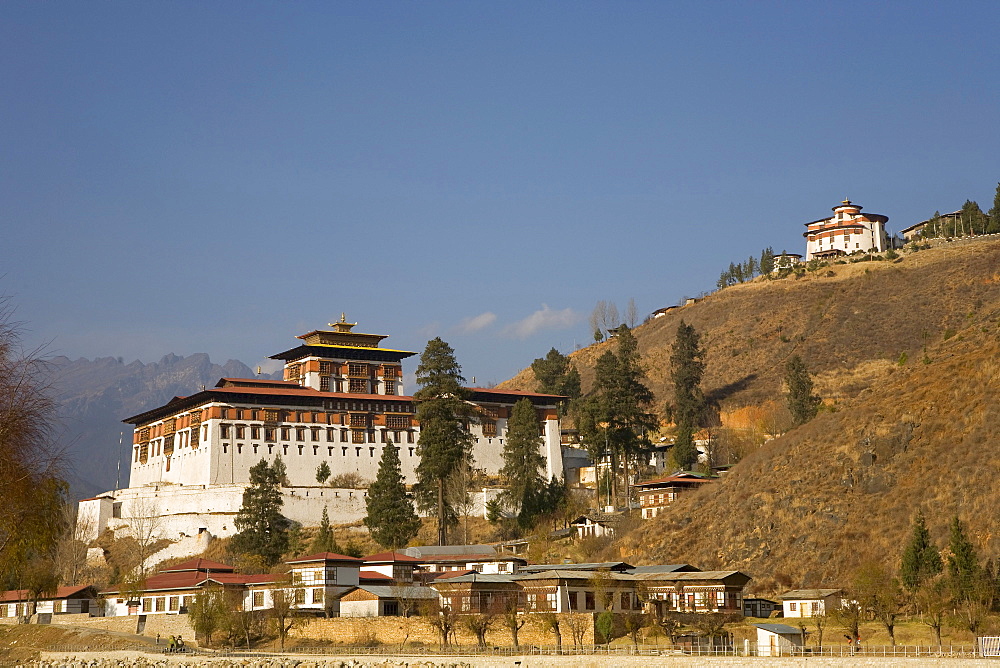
(476,323)
(545,318)
(429,331)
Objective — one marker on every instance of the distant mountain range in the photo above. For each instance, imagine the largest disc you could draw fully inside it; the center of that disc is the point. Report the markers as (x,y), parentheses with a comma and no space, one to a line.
(95,395)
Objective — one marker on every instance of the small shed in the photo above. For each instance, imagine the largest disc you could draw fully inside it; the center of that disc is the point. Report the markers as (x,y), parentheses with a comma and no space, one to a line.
(778,640)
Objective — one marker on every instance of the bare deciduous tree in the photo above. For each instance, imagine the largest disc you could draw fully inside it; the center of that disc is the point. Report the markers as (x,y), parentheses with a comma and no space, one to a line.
(144,525)
(283,612)
(631,314)
(30,461)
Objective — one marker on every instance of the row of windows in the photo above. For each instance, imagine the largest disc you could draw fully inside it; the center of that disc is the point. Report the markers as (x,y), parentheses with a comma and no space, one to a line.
(315,450)
(355,386)
(358,422)
(165,603)
(299,597)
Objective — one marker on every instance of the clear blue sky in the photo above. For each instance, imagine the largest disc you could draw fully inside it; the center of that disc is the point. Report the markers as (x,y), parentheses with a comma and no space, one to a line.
(221,176)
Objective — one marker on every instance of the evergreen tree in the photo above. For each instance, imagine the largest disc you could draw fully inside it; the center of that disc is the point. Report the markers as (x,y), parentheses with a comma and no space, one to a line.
(445,443)
(687,368)
(571,386)
(391,518)
(323,473)
(921,560)
(801,401)
(523,463)
(767,261)
(324,541)
(262,529)
(556,375)
(993,227)
(550,370)
(964,570)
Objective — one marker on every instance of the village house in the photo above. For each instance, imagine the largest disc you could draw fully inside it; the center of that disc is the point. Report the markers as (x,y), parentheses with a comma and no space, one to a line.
(786,261)
(596,524)
(17,605)
(385,600)
(810,602)
(698,591)
(172,589)
(396,566)
(478,592)
(574,590)
(319,580)
(479,558)
(655,495)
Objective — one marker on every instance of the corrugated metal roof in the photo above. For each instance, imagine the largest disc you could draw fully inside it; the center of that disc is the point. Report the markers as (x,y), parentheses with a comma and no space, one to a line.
(389,591)
(800,594)
(783,629)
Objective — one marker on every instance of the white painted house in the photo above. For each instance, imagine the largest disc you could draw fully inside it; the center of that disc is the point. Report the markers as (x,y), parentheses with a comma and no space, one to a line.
(810,602)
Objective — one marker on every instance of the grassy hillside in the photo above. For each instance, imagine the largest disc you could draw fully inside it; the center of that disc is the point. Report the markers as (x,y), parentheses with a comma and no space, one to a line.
(844,320)
(807,508)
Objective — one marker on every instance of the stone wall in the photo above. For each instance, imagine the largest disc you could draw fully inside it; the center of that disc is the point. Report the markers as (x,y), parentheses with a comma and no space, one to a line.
(165,625)
(417,631)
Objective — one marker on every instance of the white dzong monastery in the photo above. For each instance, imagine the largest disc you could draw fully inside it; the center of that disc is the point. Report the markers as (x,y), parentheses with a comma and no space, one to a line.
(846,231)
(341,402)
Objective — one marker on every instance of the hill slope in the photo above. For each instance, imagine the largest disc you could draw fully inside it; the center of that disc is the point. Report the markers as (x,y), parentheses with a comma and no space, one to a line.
(808,507)
(845,321)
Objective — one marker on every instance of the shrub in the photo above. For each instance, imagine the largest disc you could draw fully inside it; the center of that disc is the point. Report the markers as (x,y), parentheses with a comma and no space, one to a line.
(349,480)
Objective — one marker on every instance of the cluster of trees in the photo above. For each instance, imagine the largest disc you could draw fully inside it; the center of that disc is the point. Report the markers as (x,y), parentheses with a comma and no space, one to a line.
(959,590)
(741,272)
(216,612)
(970,221)
(614,418)
(604,319)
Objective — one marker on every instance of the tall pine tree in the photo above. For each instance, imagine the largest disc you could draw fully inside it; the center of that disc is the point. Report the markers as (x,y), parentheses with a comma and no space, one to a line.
(391,518)
(687,367)
(801,401)
(921,559)
(523,463)
(964,570)
(445,443)
(262,529)
(993,226)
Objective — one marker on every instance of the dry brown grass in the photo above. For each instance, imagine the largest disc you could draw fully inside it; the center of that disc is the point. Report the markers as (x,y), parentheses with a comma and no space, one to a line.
(807,508)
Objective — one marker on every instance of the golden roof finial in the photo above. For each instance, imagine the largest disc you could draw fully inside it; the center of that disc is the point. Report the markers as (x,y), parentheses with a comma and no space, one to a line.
(342,325)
